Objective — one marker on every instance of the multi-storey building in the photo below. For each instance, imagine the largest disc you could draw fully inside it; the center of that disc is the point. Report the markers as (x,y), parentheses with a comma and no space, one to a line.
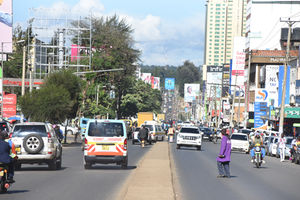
(225,19)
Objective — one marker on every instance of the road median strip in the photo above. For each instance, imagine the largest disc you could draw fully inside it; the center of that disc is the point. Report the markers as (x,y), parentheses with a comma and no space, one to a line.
(153,177)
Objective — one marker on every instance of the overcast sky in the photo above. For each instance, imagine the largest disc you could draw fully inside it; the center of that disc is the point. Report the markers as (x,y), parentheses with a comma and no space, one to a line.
(168,32)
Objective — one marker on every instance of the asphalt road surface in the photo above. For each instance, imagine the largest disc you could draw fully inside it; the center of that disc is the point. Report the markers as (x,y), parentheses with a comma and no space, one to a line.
(197,171)
(73,182)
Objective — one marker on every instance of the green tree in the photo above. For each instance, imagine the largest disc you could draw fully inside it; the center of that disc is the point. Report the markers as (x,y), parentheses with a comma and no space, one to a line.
(187,73)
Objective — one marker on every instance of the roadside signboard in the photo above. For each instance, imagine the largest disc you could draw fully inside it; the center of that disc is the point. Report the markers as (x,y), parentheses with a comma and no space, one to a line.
(260,107)
(170,83)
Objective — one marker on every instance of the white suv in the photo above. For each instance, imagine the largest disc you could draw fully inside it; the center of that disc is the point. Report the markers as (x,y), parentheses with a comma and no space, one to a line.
(189,136)
(36,142)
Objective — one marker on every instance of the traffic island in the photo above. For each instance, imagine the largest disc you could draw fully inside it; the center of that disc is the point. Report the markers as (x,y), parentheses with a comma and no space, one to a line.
(153,177)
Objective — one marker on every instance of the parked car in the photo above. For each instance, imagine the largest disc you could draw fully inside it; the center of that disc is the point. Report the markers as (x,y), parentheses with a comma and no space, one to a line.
(105,142)
(240,142)
(246,131)
(37,143)
(288,146)
(207,133)
(273,146)
(189,136)
(268,143)
(70,129)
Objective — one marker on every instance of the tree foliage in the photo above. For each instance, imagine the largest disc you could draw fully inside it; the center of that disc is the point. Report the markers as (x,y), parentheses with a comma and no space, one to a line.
(56,101)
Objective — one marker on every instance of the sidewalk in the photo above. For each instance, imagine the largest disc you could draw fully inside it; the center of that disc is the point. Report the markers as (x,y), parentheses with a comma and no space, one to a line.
(152,179)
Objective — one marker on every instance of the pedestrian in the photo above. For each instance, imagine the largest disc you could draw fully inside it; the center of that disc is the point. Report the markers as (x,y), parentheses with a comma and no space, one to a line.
(223,158)
(281,146)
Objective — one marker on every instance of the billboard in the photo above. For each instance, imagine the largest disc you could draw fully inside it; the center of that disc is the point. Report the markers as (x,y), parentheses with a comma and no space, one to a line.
(214,80)
(6,26)
(297,92)
(155,82)
(146,77)
(225,80)
(170,83)
(238,65)
(287,90)
(260,107)
(271,84)
(9,105)
(191,92)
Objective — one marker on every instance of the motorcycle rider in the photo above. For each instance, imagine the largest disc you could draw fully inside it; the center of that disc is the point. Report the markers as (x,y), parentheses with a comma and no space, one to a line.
(5,156)
(257,141)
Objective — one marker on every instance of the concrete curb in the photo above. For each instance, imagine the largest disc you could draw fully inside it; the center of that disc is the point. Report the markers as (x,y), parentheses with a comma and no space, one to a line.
(153,177)
(175,179)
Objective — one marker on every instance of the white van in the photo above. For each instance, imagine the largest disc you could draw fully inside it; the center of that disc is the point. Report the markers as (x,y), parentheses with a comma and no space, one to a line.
(155,130)
(105,142)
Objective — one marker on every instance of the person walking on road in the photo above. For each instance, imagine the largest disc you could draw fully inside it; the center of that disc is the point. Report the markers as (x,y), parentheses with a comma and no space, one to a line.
(281,145)
(223,158)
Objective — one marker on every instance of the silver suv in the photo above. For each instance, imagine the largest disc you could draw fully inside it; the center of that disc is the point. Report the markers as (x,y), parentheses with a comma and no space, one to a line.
(36,142)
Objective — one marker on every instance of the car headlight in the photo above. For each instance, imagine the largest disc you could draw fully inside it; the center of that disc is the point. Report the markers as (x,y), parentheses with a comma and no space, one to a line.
(180,136)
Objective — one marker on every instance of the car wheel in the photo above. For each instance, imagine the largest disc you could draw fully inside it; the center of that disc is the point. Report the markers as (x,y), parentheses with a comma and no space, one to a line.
(277,156)
(177,146)
(33,143)
(58,163)
(69,132)
(199,148)
(133,141)
(52,164)
(87,166)
(125,163)
(2,187)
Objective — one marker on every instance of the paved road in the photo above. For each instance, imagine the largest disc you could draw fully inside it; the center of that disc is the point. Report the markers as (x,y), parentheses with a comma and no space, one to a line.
(36,182)
(197,173)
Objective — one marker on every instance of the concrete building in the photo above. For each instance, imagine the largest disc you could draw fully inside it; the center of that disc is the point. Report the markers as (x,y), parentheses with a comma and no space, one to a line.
(225,19)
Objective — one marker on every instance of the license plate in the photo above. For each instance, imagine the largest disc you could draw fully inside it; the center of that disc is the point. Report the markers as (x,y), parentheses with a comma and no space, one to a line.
(105,148)
(18,149)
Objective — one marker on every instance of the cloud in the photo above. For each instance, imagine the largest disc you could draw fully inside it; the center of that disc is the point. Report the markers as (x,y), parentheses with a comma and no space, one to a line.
(161,42)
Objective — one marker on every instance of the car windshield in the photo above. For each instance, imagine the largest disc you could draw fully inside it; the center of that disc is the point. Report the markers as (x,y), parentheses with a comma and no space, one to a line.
(106,129)
(23,130)
(150,127)
(238,137)
(245,131)
(190,130)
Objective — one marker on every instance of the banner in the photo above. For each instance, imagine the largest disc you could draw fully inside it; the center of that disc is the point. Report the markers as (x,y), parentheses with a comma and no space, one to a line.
(238,66)
(260,107)
(287,85)
(146,77)
(6,26)
(9,105)
(191,92)
(170,83)
(155,82)
(271,84)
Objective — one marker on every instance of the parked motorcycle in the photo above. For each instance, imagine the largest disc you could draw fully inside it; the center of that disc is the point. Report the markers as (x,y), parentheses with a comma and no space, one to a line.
(257,158)
(4,184)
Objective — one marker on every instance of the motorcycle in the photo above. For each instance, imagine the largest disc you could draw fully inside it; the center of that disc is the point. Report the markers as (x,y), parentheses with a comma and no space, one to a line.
(257,158)
(4,184)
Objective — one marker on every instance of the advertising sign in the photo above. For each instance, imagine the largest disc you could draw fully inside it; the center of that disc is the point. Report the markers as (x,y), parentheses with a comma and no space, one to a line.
(155,82)
(238,65)
(6,26)
(9,105)
(271,84)
(214,79)
(191,92)
(297,92)
(146,77)
(170,83)
(287,90)
(226,80)
(292,112)
(260,107)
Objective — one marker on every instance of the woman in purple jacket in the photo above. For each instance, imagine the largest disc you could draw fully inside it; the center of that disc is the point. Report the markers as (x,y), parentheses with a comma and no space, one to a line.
(223,158)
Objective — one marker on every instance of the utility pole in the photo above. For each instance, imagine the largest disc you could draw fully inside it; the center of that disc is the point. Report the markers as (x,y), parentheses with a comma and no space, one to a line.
(233,102)
(281,120)
(247,95)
